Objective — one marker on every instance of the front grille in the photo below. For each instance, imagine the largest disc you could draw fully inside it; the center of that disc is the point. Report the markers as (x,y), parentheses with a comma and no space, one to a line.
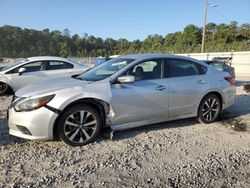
(23,129)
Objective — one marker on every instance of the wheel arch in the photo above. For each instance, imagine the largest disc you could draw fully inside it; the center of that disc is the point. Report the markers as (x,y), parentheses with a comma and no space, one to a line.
(215,92)
(101,106)
(6,81)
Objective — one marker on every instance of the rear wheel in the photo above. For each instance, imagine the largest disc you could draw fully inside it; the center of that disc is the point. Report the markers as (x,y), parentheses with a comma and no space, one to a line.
(4,88)
(79,125)
(209,109)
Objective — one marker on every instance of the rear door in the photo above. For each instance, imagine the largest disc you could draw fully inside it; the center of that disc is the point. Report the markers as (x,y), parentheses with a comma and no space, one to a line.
(58,68)
(187,82)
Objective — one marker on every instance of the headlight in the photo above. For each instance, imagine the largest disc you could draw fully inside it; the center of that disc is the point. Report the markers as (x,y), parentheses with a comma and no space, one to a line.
(29,104)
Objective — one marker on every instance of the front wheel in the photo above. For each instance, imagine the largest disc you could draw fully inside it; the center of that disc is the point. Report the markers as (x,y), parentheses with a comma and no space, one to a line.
(4,88)
(79,125)
(209,109)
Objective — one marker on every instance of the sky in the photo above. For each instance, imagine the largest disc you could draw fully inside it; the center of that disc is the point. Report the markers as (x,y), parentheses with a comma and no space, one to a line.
(130,19)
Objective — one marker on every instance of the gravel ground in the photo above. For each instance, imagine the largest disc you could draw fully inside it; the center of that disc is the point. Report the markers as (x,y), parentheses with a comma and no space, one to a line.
(181,153)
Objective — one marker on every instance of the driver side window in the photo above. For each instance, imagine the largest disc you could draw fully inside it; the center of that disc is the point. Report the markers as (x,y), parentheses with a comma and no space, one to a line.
(30,67)
(33,67)
(146,70)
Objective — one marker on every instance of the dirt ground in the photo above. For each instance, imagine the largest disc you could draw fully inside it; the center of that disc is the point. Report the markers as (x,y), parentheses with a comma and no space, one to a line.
(180,153)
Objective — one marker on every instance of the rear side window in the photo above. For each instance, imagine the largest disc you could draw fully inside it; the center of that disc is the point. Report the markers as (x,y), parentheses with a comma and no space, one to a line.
(55,65)
(178,68)
(202,69)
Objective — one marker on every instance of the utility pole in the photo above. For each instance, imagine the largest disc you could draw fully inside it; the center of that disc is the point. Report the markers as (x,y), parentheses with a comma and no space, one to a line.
(204,27)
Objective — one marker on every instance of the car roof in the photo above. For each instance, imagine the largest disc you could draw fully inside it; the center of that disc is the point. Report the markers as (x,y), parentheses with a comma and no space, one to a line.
(150,56)
(42,58)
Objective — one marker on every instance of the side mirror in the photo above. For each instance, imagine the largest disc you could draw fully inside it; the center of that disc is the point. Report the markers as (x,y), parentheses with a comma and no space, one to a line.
(126,79)
(21,70)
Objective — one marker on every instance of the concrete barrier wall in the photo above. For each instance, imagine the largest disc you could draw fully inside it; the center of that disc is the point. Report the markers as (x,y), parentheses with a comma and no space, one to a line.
(240,60)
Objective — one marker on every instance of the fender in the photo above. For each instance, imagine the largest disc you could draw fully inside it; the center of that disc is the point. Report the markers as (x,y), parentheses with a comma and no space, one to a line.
(207,92)
(4,79)
(71,95)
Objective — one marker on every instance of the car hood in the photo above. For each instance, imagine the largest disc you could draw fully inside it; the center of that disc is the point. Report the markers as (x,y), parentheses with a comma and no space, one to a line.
(50,85)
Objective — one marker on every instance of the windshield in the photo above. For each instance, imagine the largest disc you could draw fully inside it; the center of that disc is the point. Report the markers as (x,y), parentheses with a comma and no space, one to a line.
(13,65)
(106,69)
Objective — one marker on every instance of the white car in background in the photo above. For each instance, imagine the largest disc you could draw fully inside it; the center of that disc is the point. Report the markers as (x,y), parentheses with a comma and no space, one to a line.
(33,69)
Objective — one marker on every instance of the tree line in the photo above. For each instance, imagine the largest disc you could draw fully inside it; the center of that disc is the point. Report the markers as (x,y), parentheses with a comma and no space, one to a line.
(23,42)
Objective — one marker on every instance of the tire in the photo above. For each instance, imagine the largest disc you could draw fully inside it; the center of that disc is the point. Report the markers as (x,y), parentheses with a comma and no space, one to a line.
(209,109)
(4,88)
(79,125)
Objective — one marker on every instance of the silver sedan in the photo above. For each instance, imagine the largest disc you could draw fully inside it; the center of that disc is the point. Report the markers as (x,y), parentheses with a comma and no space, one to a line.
(122,93)
(33,69)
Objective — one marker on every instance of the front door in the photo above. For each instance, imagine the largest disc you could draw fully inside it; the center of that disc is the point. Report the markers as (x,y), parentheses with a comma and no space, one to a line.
(32,74)
(145,100)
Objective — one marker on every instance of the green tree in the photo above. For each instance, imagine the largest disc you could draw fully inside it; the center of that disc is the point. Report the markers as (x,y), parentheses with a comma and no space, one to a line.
(18,42)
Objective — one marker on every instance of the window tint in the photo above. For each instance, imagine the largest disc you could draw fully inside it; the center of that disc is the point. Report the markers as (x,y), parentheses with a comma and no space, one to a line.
(146,70)
(44,65)
(202,69)
(176,68)
(55,65)
(32,67)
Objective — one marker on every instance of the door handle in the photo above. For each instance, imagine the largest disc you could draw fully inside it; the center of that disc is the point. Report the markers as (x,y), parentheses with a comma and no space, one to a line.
(202,82)
(160,88)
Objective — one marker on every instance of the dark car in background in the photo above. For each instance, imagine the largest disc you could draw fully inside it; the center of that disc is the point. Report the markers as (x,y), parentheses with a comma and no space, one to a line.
(222,64)
(100,60)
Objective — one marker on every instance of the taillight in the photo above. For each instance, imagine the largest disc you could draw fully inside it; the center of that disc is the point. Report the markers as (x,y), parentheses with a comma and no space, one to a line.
(230,80)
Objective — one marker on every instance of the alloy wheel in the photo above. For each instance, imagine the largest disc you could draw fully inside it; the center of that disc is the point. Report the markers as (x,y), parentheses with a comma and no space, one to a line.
(210,109)
(80,126)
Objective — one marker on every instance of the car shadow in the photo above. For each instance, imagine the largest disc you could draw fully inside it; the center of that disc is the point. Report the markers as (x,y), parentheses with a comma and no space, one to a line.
(229,116)
(5,137)
(129,133)
(241,107)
